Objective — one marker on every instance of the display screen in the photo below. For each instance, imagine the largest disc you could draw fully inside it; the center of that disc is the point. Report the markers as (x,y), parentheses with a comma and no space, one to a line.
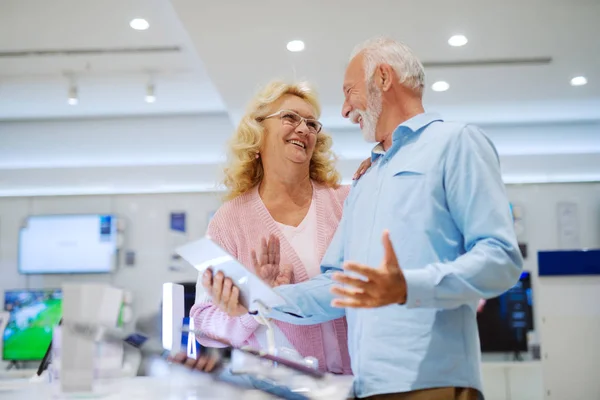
(504,321)
(55,244)
(33,314)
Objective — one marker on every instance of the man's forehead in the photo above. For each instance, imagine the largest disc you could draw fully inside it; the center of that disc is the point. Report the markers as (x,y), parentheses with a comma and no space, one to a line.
(353,70)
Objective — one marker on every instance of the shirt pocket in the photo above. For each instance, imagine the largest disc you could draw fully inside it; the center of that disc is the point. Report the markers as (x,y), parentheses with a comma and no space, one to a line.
(409,186)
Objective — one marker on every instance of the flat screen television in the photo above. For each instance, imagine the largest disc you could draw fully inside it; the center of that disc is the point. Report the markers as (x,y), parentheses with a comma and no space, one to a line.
(504,321)
(68,244)
(33,315)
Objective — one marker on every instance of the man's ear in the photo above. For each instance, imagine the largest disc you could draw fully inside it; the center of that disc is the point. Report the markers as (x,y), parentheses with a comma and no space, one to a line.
(385,76)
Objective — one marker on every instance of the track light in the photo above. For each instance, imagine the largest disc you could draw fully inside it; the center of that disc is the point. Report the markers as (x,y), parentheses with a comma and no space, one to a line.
(73,98)
(150,96)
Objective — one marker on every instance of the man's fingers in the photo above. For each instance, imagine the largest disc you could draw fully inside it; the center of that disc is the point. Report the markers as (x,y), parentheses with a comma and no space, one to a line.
(370,273)
(348,280)
(349,303)
(389,257)
(349,292)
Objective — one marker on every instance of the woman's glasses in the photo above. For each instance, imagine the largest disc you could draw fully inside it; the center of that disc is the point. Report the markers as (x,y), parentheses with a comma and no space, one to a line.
(294,119)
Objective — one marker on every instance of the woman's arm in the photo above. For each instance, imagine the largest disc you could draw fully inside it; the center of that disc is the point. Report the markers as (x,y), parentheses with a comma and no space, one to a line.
(208,318)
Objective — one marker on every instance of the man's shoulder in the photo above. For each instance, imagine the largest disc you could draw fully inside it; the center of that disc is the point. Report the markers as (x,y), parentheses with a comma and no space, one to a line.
(447,129)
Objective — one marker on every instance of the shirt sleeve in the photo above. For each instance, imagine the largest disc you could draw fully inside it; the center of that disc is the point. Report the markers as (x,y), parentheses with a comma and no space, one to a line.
(477,201)
(309,302)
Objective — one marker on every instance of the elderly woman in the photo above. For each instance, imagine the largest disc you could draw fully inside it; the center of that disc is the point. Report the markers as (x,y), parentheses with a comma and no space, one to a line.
(283,206)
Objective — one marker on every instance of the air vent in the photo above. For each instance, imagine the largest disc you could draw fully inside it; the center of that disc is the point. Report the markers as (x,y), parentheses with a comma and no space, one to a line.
(88,52)
(500,62)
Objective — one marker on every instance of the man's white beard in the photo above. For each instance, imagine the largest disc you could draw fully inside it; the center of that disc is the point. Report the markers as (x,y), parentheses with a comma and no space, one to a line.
(371,115)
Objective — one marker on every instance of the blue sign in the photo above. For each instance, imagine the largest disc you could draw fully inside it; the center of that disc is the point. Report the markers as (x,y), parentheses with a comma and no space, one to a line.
(569,262)
(178,221)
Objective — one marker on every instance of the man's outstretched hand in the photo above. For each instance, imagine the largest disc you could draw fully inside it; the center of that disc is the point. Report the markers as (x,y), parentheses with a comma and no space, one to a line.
(376,287)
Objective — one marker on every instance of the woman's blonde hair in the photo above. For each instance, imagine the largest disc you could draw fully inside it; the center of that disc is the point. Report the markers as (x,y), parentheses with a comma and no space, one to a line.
(244,170)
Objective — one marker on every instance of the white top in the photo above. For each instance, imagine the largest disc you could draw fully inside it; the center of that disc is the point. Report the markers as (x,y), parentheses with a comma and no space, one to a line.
(303,239)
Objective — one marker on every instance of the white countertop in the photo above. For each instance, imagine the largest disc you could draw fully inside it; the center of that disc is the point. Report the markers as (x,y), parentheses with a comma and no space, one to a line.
(176,387)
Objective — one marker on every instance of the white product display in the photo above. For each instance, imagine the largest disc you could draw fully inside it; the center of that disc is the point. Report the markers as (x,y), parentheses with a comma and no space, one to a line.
(570,310)
(60,244)
(79,357)
(205,253)
(173,312)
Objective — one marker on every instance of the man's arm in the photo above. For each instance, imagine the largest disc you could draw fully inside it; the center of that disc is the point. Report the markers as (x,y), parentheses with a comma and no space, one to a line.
(310,302)
(477,201)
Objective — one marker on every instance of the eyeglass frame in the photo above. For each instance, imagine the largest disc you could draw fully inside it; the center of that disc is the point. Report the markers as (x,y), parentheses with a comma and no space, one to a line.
(302,119)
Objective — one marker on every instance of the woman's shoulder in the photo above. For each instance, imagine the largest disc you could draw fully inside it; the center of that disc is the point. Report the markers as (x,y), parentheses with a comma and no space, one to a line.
(338,193)
(231,209)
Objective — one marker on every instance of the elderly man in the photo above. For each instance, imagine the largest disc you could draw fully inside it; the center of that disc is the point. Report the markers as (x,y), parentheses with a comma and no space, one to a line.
(425,234)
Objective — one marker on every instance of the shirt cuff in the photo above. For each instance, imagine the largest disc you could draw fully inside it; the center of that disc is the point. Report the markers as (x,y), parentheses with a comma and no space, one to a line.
(420,288)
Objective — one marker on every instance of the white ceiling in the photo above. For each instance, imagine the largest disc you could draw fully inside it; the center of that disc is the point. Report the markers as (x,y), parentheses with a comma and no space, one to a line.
(226,53)
(36,86)
(250,49)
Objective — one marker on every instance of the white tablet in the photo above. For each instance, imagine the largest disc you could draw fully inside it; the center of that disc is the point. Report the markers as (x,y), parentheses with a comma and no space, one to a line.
(205,253)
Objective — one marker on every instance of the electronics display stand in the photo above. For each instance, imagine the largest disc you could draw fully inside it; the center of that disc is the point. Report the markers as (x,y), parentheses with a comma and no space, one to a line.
(15,365)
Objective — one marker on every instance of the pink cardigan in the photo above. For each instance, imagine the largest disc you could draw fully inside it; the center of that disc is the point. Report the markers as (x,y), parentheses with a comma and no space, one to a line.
(238,227)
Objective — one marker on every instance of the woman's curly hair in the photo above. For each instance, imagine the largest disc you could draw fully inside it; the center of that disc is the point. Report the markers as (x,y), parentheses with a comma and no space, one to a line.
(244,171)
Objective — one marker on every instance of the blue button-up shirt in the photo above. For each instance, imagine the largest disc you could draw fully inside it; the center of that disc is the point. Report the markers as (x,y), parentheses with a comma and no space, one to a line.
(439,191)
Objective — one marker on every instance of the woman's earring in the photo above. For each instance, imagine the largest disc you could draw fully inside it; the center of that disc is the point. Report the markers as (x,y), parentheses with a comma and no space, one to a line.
(257,155)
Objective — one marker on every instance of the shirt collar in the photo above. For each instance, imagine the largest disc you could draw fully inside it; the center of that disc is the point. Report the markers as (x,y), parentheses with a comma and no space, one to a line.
(412,125)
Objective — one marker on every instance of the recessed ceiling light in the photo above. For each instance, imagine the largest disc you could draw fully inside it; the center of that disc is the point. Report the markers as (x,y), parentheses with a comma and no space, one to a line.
(458,40)
(295,45)
(139,24)
(440,86)
(578,81)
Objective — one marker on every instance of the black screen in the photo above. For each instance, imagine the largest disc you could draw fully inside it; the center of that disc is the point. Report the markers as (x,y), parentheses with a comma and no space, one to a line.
(504,321)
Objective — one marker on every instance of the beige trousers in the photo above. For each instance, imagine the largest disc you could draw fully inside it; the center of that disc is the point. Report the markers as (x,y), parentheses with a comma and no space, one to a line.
(445,393)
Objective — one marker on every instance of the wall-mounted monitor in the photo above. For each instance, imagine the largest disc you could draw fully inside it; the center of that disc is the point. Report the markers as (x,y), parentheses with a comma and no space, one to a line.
(33,315)
(68,244)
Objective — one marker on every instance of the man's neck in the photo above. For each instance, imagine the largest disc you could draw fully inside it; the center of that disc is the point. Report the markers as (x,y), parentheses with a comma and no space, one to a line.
(389,121)
(286,186)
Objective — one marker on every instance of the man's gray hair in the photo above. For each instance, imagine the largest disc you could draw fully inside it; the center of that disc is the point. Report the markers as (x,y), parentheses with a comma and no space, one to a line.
(399,56)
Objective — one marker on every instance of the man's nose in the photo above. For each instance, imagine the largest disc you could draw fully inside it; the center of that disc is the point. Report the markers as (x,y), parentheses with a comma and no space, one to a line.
(346,109)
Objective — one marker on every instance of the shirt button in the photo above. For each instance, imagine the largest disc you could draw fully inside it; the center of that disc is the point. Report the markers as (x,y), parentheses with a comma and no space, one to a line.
(417,302)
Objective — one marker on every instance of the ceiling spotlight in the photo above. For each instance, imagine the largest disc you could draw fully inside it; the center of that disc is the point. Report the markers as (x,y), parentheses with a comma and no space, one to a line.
(458,40)
(139,24)
(578,81)
(440,86)
(295,45)
(73,98)
(150,96)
